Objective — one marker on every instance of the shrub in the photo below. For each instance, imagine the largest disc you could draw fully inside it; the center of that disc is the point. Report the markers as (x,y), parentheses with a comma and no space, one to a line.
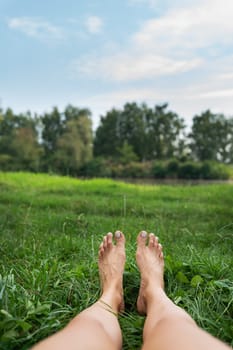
(189,170)
(6,162)
(214,171)
(136,170)
(97,167)
(172,168)
(159,170)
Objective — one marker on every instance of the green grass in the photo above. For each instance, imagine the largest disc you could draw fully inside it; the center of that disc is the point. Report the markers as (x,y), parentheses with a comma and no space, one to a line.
(51,228)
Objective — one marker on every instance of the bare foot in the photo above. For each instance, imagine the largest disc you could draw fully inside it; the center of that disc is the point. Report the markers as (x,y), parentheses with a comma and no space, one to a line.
(111,267)
(150,262)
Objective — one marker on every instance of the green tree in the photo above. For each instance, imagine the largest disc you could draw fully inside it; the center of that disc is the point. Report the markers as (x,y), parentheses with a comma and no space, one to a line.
(165,133)
(64,135)
(107,140)
(74,146)
(19,147)
(25,149)
(132,128)
(211,137)
(126,154)
(52,128)
(152,133)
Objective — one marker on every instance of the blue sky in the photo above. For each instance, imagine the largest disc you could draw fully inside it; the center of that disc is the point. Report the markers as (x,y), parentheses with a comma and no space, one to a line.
(102,53)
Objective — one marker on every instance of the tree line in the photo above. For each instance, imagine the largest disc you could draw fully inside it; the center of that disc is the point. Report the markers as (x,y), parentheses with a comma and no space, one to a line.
(64,142)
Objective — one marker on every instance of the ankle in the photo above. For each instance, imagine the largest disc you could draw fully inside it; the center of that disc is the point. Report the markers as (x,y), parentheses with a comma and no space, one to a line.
(155,297)
(112,298)
(153,291)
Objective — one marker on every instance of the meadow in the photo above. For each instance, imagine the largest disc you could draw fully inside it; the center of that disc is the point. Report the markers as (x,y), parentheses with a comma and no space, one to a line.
(51,228)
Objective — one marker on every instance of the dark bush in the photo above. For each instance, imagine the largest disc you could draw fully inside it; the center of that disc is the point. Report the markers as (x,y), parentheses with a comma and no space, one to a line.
(97,167)
(159,170)
(6,162)
(137,170)
(189,170)
(172,168)
(214,171)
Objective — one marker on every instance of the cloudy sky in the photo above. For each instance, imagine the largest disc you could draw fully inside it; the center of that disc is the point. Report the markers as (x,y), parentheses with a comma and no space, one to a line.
(103,53)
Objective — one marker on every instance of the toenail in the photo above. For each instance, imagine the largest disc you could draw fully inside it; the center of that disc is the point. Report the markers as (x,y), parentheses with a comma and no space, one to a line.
(143,234)
(109,234)
(118,234)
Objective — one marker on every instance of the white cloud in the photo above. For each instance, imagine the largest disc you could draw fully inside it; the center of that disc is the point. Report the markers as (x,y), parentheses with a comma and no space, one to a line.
(226,76)
(201,25)
(161,4)
(132,66)
(217,93)
(94,24)
(36,28)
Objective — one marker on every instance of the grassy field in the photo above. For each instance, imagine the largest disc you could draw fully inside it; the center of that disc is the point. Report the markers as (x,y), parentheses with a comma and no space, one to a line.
(51,228)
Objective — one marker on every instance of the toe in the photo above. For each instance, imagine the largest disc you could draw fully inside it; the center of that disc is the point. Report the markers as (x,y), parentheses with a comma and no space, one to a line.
(109,239)
(151,240)
(101,250)
(160,248)
(105,242)
(120,238)
(142,238)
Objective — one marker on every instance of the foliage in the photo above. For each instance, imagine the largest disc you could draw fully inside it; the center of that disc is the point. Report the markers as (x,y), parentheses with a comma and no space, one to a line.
(74,147)
(106,142)
(134,141)
(172,169)
(159,170)
(19,142)
(213,170)
(152,133)
(212,137)
(126,154)
(189,170)
(67,139)
(51,228)
(97,167)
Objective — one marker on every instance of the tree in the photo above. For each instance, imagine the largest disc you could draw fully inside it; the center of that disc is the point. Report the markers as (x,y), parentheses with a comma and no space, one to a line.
(152,133)
(164,130)
(131,128)
(64,134)
(19,148)
(107,141)
(52,129)
(126,154)
(25,149)
(74,146)
(211,137)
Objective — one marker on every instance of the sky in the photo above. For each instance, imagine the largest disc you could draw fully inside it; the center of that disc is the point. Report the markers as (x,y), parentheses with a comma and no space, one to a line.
(101,54)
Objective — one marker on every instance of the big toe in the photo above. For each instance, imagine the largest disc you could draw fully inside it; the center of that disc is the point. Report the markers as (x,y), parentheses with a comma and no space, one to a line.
(119,238)
(142,238)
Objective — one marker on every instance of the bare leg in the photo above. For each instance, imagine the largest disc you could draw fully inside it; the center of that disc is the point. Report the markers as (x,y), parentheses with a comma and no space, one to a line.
(167,326)
(97,327)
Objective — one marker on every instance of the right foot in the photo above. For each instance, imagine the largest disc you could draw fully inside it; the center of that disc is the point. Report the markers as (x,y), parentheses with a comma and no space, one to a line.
(150,262)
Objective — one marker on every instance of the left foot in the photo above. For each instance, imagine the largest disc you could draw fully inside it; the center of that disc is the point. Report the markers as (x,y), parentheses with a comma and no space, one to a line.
(111,267)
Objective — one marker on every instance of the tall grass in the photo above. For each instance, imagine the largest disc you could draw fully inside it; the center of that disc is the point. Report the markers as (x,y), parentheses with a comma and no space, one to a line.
(51,228)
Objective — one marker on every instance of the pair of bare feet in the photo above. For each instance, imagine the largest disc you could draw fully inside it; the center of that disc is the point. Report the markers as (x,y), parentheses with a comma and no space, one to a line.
(150,261)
